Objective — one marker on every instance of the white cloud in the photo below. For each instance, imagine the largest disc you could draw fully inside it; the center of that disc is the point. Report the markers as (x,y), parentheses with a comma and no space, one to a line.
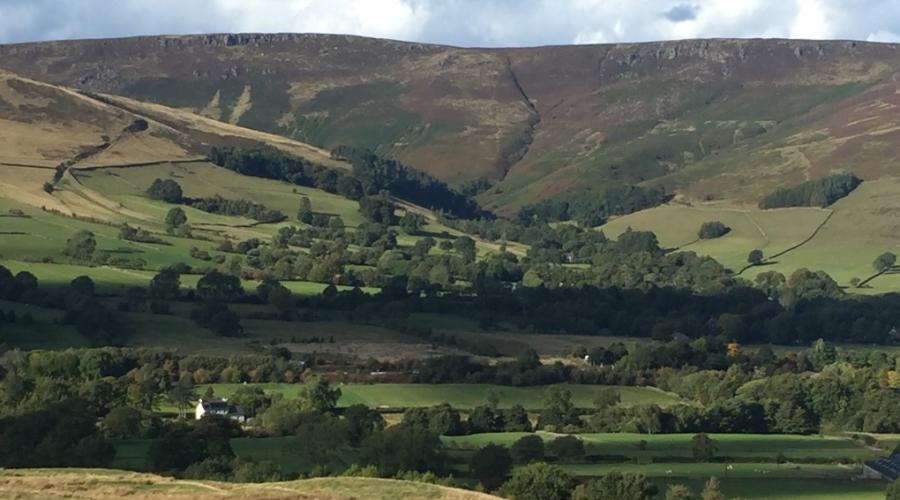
(812,20)
(883,36)
(459,22)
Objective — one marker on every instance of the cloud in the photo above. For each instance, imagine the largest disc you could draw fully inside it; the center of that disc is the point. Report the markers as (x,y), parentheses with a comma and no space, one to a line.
(883,36)
(681,13)
(458,22)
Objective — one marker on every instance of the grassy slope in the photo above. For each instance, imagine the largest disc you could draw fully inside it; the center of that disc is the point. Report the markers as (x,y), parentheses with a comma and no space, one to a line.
(105,483)
(861,226)
(126,185)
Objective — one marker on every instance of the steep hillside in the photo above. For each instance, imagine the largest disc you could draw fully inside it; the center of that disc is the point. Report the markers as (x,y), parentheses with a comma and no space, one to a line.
(710,119)
(45,128)
(102,483)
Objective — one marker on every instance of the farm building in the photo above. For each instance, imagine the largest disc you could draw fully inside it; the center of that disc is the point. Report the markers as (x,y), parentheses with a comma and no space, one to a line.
(219,407)
(883,468)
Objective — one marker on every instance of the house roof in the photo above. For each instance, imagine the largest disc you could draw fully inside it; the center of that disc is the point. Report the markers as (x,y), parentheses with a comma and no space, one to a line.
(889,467)
(218,406)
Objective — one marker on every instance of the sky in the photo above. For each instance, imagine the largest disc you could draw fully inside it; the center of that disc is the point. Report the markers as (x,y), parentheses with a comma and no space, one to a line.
(469,23)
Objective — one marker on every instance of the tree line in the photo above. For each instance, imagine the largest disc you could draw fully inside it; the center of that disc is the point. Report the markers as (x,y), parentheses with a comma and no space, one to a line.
(170,191)
(591,208)
(370,175)
(819,192)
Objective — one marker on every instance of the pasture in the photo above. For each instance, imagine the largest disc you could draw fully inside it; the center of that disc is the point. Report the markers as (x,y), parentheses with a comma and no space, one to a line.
(113,280)
(642,448)
(43,235)
(676,227)
(201,179)
(461,396)
(860,227)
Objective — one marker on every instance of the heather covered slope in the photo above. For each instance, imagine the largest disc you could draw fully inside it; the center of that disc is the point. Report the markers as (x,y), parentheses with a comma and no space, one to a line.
(723,119)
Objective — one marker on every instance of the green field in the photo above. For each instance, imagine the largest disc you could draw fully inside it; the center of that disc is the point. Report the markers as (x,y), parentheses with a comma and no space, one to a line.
(746,447)
(860,228)
(461,396)
(131,454)
(43,235)
(112,280)
(676,226)
(201,179)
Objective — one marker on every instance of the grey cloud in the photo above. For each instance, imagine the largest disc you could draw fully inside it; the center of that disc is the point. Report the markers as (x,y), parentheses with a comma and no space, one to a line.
(681,13)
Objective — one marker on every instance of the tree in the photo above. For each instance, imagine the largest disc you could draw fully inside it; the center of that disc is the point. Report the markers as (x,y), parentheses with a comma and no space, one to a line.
(567,448)
(485,418)
(893,491)
(361,422)
(165,190)
(465,246)
(538,482)
(491,466)
(166,285)
(679,492)
(123,422)
(528,359)
(219,318)
(318,395)
(282,417)
(218,287)
(441,419)
(404,448)
(606,398)
(378,209)
(808,285)
(320,437)
(558,408)
(252,400)
(819,192)
(48,188)
(884,262)
(703,448)
(713,229)
(175,218)
(81,246)
(617,485)
(282,300)
(305,213)
(181,395)
(527,449)
(711,490)
(83,286)
(411,222)
(755,257)
(62,434)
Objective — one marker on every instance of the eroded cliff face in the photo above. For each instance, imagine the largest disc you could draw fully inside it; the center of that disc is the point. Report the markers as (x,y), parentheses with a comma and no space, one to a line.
(536,121)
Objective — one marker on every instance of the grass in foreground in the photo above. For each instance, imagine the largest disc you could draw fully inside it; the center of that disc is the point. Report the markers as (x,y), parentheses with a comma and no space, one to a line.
(106,483)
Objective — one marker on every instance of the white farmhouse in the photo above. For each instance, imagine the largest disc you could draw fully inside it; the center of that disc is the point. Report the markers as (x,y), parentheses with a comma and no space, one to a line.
(219,407)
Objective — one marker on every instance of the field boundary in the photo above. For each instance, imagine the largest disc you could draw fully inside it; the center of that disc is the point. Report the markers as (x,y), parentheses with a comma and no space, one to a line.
(142,163)
(792,247)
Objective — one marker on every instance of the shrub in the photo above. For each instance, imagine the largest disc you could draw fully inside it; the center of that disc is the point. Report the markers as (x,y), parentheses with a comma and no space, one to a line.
(527,449)
(165,190)
(713,229)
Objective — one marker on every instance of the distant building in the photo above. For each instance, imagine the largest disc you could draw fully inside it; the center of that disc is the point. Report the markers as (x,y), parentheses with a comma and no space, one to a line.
(219,407)
(883,468)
